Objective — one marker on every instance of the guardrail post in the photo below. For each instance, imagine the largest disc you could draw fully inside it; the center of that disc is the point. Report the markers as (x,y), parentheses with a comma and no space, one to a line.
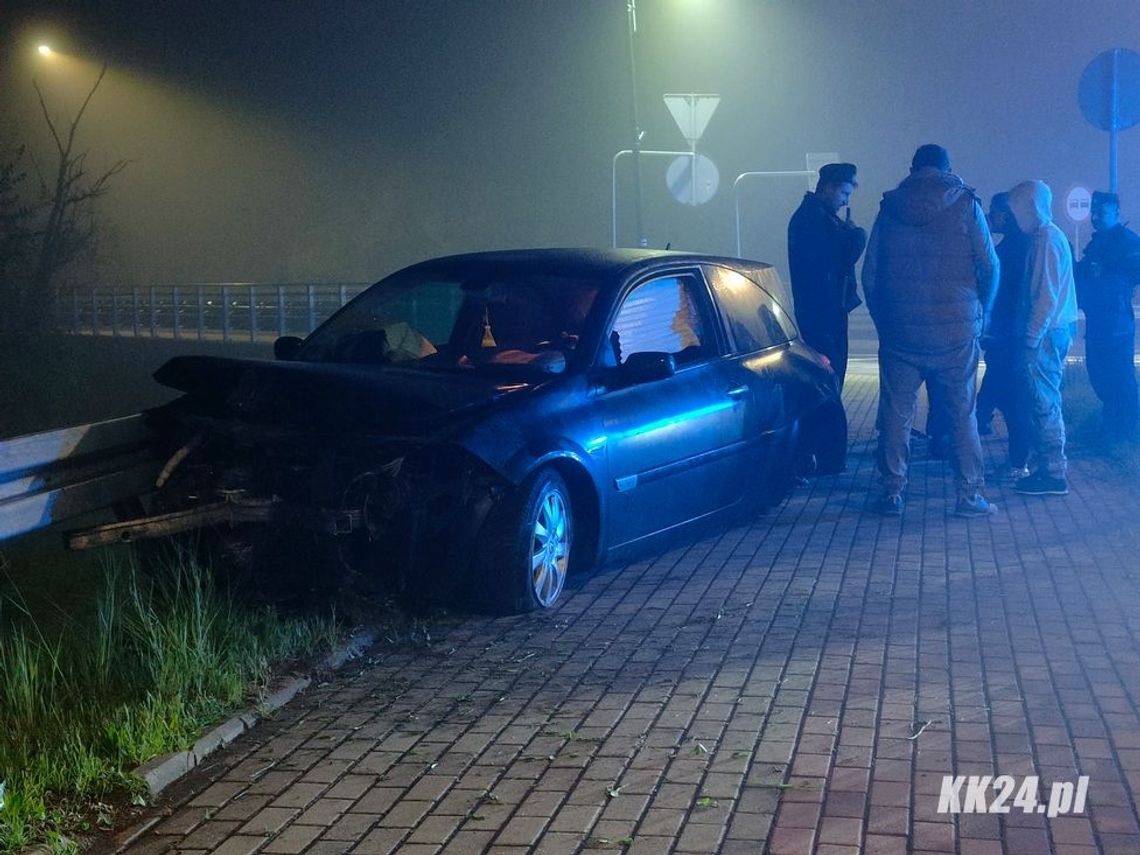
(225,313)
(253,313)
(200,304)
(174,299)
(311,293)
(280,310)
(135,312)
(343,295)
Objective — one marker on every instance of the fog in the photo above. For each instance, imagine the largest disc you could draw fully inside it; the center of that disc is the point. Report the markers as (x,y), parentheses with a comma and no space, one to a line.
(294,142)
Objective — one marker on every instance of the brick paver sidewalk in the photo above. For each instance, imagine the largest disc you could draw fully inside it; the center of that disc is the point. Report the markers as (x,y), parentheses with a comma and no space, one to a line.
(798,684)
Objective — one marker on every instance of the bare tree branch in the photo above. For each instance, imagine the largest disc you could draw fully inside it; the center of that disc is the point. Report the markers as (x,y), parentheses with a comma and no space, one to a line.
(68,227)
(47,117)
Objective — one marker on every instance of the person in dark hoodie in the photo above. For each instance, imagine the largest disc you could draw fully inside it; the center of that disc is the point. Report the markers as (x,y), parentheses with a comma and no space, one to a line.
(1106,275)
(822,251)
(929,278)
(999,389)
(1046,326)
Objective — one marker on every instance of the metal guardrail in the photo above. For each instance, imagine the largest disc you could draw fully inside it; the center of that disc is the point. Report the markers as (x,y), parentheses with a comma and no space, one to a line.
(228,311)
(49,477)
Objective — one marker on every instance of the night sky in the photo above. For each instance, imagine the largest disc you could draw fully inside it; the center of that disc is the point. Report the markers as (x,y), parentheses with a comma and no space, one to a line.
(304,141)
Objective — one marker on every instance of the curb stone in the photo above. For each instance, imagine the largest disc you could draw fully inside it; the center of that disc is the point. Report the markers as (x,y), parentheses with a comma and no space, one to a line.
(164,770)
(160,772)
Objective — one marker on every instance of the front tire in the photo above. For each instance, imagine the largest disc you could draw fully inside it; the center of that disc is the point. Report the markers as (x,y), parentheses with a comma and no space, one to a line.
(524,559)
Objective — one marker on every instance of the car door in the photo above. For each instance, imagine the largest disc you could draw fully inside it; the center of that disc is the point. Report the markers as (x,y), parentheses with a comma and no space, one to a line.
(673,443)
(760,332)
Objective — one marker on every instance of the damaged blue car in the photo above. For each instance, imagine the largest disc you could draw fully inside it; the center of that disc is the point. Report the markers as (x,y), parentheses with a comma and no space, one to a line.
(481,426)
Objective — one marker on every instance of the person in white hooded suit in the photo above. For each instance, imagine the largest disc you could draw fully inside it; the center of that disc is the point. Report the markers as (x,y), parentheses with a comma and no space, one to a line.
(1046,325)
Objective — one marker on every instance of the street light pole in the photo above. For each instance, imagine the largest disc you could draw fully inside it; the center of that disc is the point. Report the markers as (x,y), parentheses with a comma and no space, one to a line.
(631,8)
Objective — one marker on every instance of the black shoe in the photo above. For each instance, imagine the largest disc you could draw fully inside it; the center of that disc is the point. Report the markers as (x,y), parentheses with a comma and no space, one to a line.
(890,505)
(1042,484)
(974,506)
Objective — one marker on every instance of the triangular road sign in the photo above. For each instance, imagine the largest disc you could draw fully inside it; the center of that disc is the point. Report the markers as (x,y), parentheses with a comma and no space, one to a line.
(692,113)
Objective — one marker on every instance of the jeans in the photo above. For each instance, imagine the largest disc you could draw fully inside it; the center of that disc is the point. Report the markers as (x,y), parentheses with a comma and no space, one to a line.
(1041,373)
(951,376)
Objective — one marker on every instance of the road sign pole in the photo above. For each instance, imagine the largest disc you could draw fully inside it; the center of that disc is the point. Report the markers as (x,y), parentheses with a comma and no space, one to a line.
(1078,205)
(642,240)
(1115,119)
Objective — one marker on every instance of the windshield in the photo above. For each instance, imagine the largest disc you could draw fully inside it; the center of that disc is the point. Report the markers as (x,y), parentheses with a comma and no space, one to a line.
(422,319)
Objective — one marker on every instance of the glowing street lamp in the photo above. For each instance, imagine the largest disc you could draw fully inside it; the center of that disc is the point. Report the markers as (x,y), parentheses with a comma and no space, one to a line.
(45,50)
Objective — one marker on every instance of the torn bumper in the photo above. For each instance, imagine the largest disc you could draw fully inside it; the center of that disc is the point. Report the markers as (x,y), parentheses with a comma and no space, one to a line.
(229,511)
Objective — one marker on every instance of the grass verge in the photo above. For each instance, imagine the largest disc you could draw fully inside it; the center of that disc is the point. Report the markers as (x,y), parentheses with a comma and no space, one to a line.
(162,653)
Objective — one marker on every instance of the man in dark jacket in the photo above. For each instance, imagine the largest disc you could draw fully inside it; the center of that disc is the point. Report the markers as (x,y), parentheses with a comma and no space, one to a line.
(1000,386)
(929,279)
(822,251)
(1106,275)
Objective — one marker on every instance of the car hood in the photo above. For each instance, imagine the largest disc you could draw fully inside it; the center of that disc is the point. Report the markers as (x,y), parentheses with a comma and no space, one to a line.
(333,397)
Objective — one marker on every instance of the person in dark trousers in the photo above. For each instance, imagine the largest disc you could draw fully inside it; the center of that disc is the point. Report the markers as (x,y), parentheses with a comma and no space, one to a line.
(822,251)
(1106,274)
(999,389)
(929,279)
(1046,325)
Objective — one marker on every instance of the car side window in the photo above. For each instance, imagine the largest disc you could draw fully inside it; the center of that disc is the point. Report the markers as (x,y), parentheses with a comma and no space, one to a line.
(663,315)
(756,320)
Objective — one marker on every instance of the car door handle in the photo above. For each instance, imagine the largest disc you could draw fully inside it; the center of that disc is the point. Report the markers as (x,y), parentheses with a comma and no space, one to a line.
(737,392)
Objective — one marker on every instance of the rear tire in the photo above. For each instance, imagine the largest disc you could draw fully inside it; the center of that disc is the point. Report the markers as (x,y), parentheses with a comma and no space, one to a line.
(523,558)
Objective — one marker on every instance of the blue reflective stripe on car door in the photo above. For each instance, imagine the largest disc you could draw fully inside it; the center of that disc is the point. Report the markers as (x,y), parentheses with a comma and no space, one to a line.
(674,448)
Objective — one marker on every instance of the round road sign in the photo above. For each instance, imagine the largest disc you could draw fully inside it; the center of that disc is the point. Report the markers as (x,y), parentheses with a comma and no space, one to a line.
(1077,204)
(692,179)
(1109,92)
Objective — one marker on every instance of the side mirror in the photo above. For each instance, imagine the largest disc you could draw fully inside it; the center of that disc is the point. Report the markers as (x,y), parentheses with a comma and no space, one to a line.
(647,366)
(286,347)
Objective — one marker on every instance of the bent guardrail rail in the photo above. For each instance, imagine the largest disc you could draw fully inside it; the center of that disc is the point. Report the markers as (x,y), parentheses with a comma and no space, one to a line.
(49,477)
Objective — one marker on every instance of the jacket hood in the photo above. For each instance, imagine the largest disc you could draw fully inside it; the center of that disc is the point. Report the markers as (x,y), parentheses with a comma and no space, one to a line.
(1032,205)
(924,195)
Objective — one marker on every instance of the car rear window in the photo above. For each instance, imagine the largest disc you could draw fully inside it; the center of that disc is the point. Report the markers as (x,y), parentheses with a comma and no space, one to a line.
(756,320)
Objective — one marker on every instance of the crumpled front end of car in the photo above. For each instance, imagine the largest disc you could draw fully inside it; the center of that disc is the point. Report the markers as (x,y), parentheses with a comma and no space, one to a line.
(401,509)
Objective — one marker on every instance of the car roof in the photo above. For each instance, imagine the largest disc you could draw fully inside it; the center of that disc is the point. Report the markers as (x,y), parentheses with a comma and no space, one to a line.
(581,261)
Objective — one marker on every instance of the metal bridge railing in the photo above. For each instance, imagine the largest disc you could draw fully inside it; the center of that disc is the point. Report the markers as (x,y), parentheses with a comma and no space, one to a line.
(231,311)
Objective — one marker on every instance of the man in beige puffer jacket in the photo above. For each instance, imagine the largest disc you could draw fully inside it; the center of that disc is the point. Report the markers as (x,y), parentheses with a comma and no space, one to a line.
(929,279)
